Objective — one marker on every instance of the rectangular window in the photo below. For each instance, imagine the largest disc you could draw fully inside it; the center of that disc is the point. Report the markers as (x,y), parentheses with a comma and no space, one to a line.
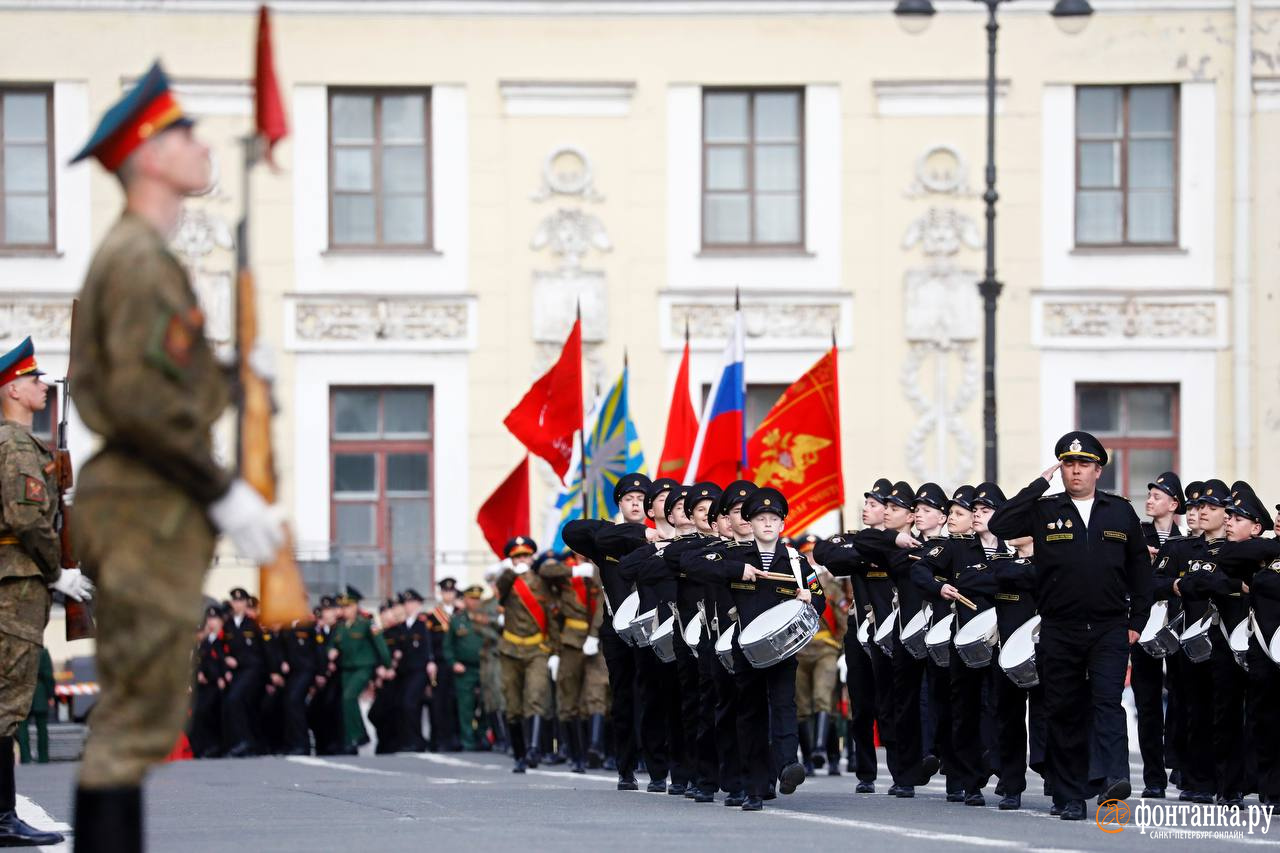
(381,483)
(26,167)
(1138,425)
(1126,165)
(753,168)
(760,399)
(379,169)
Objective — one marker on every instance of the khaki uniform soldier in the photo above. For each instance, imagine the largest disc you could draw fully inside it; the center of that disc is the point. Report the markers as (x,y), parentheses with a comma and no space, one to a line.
(488,620)
(362,654)
(581,680)
(30,562)
(463,649)
(149,502)
(817,676)
(529,637)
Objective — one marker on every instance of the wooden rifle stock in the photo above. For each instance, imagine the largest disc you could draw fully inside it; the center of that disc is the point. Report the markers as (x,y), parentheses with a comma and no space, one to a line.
(79,614)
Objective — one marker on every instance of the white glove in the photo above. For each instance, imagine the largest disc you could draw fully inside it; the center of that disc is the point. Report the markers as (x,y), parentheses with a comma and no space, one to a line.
(262,361)
(255,528)
(73,584)
(584,570)
(520,568)
(843,666)
(553,664)
(591,646)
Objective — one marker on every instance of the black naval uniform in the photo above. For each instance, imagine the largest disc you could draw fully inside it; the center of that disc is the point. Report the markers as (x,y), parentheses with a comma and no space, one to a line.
(1264,676)
(305,655)
(325,712)
(417,649)
(1148,681)
(384,712)
(243,696)
(204,731)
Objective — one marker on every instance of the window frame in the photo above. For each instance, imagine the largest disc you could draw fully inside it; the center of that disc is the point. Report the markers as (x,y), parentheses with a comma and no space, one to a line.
(1127,442)
(377,93)
(1125,242)
(752,246)
(51,246)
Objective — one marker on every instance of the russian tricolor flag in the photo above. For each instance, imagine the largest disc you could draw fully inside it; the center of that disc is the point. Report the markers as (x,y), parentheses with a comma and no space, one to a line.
(720,451)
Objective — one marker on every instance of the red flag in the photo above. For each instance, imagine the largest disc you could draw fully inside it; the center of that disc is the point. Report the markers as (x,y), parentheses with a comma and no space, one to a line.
(682,426)
(551,412)
(796,450)
(505,514)
(268,107)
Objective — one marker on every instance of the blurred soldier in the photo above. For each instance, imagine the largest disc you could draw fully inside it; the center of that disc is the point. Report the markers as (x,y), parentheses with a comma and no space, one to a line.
(444,703)
(270,720)
(463,646)
(205,730)
(304,653)
(487,616)
(361,654)
(417,669)
(152,499)
(40,702)
(324,715)
(246,676)
(382,713)
(578,597)
(529,637)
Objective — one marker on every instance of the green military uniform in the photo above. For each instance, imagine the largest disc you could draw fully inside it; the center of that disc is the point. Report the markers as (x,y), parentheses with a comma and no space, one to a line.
(582,681)
(361,650)
(39,713)
(486,618)
(817,673)
(464,644)
(524,646)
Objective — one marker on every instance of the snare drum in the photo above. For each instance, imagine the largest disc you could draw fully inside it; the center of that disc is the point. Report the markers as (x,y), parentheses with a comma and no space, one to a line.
(938,641)
(976,640)
(1018,654)
(693,633)
(913,634)
(643,626)
(1195,640)
(1239,641)
(778,633)
(1272,648)
(1160,636)
(663,640)
(724,647)
(884,633)
(624,616)
(864,633)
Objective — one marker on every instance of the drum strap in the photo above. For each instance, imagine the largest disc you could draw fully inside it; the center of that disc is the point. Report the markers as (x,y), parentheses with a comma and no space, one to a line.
(795,566)
(675,613)
(711,624)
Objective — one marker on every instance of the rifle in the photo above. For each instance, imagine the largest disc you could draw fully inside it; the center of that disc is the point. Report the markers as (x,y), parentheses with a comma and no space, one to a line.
(79,619)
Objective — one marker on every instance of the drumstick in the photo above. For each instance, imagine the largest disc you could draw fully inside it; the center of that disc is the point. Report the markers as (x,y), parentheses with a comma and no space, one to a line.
(775,576)
(966,602)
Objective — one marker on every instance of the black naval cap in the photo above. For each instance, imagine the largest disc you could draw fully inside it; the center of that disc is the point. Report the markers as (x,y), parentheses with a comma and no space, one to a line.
(632,482)
(1244,501)
(901,494)
(931,494)
(253,601)
(1169,483)
(677,495)
(734,494)
(704,491)
(327,602)
(764,500)
(519,546)
(1215,492)
(448,584)
(880,491)
(213,610)
(350,595)
(1192,492)
(387,604)
(989,494)
(239,594)
(1082,446)
(962,497)
(657,487)
(411,594)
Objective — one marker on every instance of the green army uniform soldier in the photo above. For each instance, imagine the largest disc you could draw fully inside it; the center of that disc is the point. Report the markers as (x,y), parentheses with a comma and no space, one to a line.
(487,616)
(361,653)
(463,652)
(30,563)
(581,679)
(529,637)
(150,502)
(39,715)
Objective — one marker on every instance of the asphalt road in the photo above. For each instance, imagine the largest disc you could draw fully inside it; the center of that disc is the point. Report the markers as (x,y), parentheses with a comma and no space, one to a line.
(473,802)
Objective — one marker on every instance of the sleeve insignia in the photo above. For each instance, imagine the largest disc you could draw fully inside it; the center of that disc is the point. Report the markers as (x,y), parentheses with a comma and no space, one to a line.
(1163,562)
(936,551)
(33,491)
(711,556)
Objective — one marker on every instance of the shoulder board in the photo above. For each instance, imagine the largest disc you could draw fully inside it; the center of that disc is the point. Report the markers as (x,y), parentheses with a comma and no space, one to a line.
(740,545)
(960,536)
(1051,497)
(1115,495)
(1004,556)
(1178,538)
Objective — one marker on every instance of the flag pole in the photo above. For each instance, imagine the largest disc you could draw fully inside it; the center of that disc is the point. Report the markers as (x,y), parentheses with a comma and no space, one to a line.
(582,443)
(840,455)
(737,309)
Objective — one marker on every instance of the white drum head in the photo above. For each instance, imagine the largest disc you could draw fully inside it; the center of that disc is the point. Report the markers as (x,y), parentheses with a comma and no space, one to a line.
(885,631)
(1021,644)
(978,628)
(693,631)
(725,642)
(1197,628)
(770,620)
(664,628)
(1240,636)
(1158,619)
(864,631)
(1274,646)
(626,612)
(917,623)
(940,633)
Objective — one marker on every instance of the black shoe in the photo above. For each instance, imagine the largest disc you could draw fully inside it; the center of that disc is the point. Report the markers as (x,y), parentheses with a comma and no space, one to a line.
(771,793)
(676,789)
(657,786)
(520,766)
(924,771)
(1236,801)
(975,799)
(955,796)
(735,799)
(107,819)
(1116,789)
(808,769)
(833,768)
(1055,810)
(753,804)
(1000,789)
(1185,796)
(690,792)
(577,767)
(894,790)
(865,788)
(1152,793)
(1202,797)
(16,832)
(906,792)
(1073,810)
(1011,803)
(628,784)
(244,749)
(702,795)
(792,777)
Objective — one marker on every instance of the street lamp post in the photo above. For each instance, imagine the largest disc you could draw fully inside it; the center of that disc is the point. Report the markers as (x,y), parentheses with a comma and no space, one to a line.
(1071,16)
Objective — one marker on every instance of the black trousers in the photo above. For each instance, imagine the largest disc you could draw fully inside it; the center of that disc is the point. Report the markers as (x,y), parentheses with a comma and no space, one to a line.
(1175,713)
(1263,700)
(1021,732)
(863,708)
(768,731)
(1229,685)
(706,752)
(882,666)
(620,659)
(661,737)
(413,687)
(385,717)
(940,710)
(1083,677)
(728,707)
(908,674)
(968,764)
(325,716)
(1198,771)
(240,702)
(444,713)
(1147,680)
(294,700)
(206,724)
(699,745)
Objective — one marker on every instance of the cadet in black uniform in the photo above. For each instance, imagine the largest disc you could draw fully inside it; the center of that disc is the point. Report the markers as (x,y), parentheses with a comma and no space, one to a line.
(246,676)
(383,713)
(1094,597)
(206,695)
(1175,715)
(417,669)
(325,712)
(1264,675)
(306,657)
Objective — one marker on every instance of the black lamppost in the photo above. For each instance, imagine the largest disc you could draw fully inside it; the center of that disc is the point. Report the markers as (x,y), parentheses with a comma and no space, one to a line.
(1071,16)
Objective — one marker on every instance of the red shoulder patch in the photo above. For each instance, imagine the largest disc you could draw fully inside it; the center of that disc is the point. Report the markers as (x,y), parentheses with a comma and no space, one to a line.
(34,490)
(178,339)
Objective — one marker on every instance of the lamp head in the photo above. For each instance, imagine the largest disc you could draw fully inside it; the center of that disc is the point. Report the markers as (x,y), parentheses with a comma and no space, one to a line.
(914,15)
(1071,16)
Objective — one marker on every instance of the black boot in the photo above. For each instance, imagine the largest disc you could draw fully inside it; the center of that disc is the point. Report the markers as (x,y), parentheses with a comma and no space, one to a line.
(501,737)
(534,754)
(515,730)
(819,755)
(108,820)
(806,746)
(15,832)
(573,730)
(552,743)
(595,748)
(833,747)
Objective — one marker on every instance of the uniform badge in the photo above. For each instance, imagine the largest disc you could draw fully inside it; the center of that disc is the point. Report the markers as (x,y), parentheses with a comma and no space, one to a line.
(935,551)
(1163,562)
(1068,524)
(33,491)
(711,556)
(1075,446)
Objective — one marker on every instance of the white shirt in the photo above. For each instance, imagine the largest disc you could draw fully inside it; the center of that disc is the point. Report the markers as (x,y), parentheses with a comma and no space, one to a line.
(237,620)
(1084,508)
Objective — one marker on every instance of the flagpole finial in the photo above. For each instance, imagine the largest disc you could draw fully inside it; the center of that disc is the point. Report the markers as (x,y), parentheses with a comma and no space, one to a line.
(625,361)
(737,299)
(833,337)
(686,330)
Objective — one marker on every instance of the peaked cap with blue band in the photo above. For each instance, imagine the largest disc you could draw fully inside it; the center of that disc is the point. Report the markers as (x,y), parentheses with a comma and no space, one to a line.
(142,113)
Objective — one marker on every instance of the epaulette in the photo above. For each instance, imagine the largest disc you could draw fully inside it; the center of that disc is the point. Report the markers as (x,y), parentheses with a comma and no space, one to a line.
(1000,556)
(1124,498)
(963,536)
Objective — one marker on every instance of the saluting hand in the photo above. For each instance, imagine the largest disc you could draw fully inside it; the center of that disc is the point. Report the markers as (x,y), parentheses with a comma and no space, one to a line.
(1050,471)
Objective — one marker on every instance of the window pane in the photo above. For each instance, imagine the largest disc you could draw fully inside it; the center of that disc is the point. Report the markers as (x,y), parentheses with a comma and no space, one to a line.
(1144,466)
(1098,218)
(1151,216)
(402,118)
(404,169)
(778,167)
(26,168)
(25,117)
(1151,164)
(1150,110)
(778,218)
(354,524)
(407,472)
(725,117)
(1150,411)
(1099,409)
(1098,111)
(410,529)
(352,118)
(353,169)
(760,399)
(777,117)
(355,413)
(1100,164)
(728,218)
(355,472)
(726,168)
(353,219)
(26,219)
(406,412)
(1110,479)
(404,220)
